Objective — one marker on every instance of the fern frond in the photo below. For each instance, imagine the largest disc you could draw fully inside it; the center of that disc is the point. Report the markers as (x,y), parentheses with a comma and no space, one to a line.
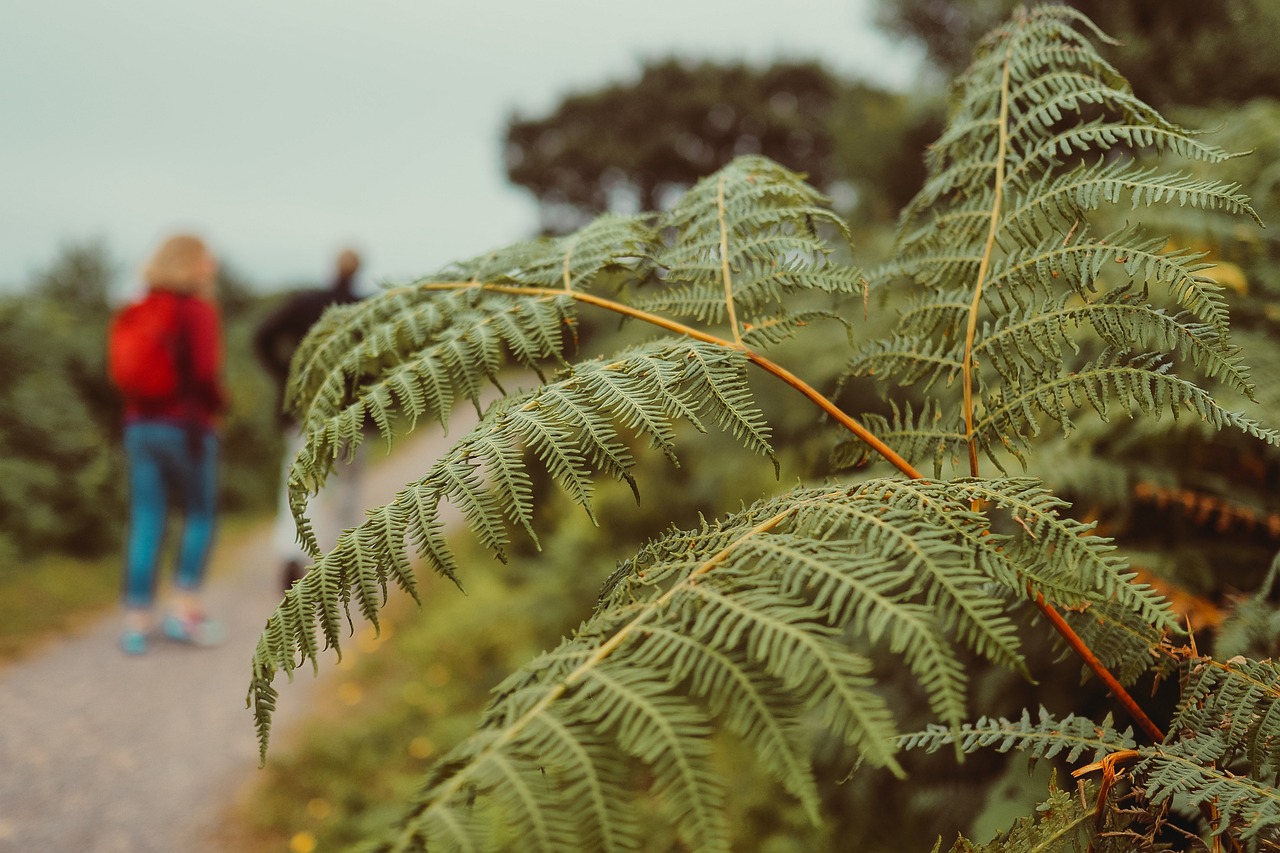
(1070,564)
(1127,646)
(746,239)
(1031,340)
(572,427)
(706,630)
(1030,312)
(1044,737)
(1246,805)
(928,434)
(415,349)
(447,346)
(1024,350)
(888,522)
(1033,306)
(1081,263)
(1143,383)
(1056,201)
(572,262)
(1146,129)
(719,383)
(752,707)
(1066,822)
(871,598)
(1236,703)
(1052,555)
(1189,765)
(910,360)
(769,332)
(739,625)
(337,332)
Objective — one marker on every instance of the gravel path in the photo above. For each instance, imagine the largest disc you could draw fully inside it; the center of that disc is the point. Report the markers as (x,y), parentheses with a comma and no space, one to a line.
(101,753)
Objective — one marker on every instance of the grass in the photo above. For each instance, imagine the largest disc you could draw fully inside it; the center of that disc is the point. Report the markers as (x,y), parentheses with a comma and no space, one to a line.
(67,591)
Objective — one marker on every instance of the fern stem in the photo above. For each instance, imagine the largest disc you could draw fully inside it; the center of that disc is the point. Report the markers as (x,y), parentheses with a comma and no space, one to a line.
(844,419)
(815,396)
(1099,669)
(984,265)
(724,264)
(984,268)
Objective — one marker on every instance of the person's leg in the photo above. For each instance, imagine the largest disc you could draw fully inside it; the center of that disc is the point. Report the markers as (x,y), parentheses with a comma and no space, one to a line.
(188,622)
(147,513)
(200,505)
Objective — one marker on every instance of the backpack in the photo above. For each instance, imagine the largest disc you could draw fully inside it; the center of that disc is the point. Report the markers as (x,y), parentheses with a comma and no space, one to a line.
(144,347)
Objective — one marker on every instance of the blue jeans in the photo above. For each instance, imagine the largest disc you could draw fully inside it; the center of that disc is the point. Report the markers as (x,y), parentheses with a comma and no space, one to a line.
(160,463)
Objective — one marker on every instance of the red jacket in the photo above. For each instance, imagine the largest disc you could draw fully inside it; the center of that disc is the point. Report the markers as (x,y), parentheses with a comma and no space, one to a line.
(204,397)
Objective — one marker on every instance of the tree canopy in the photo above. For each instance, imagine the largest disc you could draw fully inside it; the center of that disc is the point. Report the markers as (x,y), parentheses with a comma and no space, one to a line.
(82,275)
(1173,52)
(631,146)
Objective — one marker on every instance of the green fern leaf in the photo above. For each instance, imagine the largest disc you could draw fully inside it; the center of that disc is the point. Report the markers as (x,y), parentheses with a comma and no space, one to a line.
(569,426)
(741,620)
(572,262)
(1064,823)
(1138,383)
(1052,554)
(1248,806)
(745,240)
(1235,704)
(710,617)
(1187,766)
(1029,313)
(927,434)
(1033,305)
(931,559)
(1044,737)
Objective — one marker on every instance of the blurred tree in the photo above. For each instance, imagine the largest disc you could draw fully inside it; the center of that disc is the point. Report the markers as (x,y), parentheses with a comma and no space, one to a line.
(1183,52)
(628,147)
(61,481)
(82,275)
(75,292)
(878,137)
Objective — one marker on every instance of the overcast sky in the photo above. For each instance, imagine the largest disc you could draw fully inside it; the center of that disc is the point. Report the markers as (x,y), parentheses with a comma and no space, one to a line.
(282,130)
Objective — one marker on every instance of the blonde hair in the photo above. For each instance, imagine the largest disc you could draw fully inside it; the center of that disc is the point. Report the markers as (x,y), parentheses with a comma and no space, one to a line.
(182,264)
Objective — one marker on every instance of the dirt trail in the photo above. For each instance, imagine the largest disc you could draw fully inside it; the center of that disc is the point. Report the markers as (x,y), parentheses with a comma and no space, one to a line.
(101,753)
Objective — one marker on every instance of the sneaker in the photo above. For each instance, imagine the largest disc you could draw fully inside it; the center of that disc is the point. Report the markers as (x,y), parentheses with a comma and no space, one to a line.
(200,631)
(133,643)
